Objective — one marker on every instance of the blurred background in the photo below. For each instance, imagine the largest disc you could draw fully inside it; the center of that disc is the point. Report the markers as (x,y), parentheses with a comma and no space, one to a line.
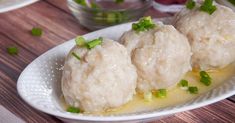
(97,14)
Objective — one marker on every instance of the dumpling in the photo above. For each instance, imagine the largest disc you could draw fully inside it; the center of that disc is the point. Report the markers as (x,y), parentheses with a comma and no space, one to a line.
(212,37)
(103,78)
(161,56)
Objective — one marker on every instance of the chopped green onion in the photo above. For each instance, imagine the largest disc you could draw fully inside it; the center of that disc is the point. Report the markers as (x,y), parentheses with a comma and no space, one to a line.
(73,110)
(144,24)
(193,90)
(81,2)
(12,50)
(80,41)
(190,4)
(183,83)
(205,78)
(76,56)
(208,7)
(119,1)
(94,43)
(36,31)
(148,96)
(161,93)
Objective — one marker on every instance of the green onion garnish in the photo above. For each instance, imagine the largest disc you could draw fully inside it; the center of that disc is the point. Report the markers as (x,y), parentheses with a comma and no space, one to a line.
(80,41)
(208,6)
(12,50)
(205,78)
(36,31)
(81,2)
(94,43)
(148,96)
(119,1)
(193,90)
(161,93)
(76,56)
(144,24)
(73,110)
(183,83)
(190,4)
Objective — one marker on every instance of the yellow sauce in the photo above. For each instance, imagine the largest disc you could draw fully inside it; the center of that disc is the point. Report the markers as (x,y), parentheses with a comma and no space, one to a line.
(175,95)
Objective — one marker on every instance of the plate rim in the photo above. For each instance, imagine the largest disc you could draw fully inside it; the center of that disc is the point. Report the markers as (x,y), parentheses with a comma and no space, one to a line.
(17,6)
(126,117)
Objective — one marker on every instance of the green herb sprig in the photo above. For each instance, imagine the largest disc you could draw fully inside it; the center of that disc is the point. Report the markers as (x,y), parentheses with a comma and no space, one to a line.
(193,90)
(183,83)
(80,41)
(205,78)
(190,4)
(208,7)
(12,50)
(36,31)
(93,43)
(73,110)
(161,93)
(76,56)
(144,24)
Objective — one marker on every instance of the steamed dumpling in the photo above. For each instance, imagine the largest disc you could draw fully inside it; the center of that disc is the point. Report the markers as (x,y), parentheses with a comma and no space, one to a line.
(161,56)
(103,78)
(212,37)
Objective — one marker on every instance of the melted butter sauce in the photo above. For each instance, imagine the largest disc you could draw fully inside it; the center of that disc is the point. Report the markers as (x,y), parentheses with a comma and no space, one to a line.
(175,95)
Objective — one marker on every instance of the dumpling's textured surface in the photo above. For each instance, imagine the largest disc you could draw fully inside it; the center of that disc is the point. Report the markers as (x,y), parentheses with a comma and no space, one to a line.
(212,37)
(161,56)
(103,78)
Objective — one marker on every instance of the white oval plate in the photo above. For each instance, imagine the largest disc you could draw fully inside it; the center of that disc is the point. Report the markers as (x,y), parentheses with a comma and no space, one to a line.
(39,85)
(8,5)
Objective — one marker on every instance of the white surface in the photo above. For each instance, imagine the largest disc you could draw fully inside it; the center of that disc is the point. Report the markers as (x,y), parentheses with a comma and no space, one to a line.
(8,5)
(39,85)
(8,117)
